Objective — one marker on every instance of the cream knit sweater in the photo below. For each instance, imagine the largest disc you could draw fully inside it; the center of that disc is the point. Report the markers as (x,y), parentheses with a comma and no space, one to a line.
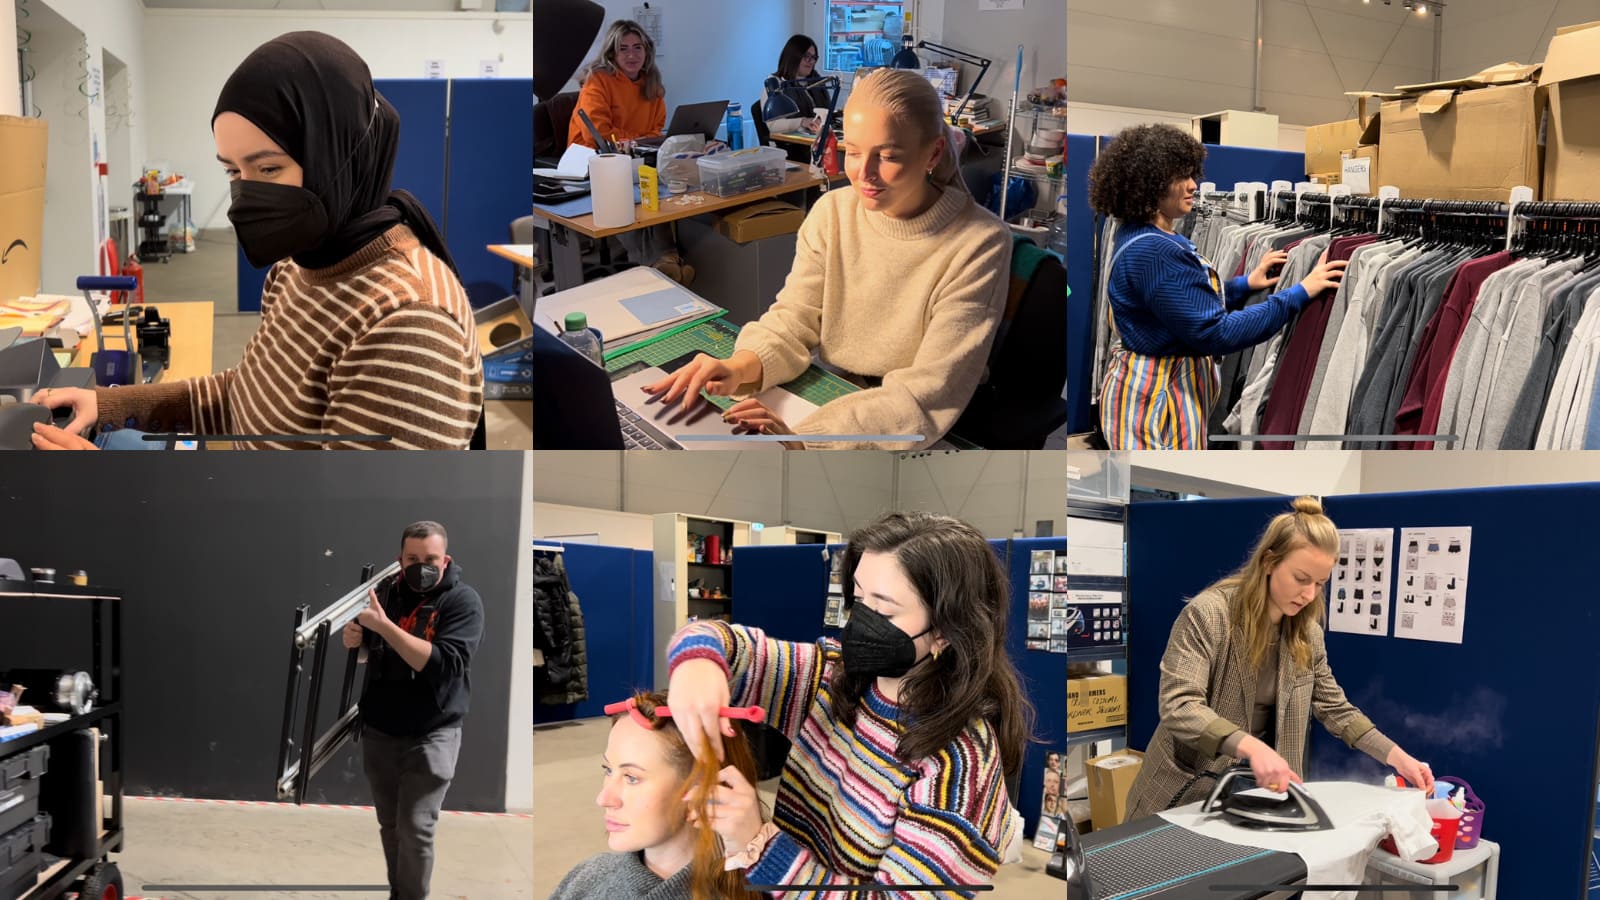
(913,302)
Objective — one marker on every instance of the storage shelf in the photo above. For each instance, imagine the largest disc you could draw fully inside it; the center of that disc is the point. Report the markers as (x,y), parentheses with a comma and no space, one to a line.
(1097,654)
(711,599)
(51,732)
(1099,734)
(712,565)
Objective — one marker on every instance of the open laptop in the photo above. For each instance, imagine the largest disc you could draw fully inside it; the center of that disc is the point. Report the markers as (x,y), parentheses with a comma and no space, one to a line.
(692,118)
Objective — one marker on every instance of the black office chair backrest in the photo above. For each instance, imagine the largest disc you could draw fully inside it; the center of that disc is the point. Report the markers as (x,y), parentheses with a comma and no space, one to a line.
(551,120)
(1021,403)
(756,116)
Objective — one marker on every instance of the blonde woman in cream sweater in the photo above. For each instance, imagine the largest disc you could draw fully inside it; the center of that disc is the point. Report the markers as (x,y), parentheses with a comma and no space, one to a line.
(899,284)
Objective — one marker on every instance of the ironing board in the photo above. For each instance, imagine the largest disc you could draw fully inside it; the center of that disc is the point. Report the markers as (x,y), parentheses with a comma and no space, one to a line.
(1152,859)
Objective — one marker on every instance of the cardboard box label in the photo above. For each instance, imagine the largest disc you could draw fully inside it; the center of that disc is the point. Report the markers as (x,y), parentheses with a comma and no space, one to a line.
(1096,702)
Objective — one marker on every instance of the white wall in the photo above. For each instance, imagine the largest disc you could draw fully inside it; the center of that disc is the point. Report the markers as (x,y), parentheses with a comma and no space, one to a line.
(1040,27)
(1481,33)
(999,493)
(714,49)
(10,75)
(64,33)
(519,732)
(1198,57)
(1263,471)
(555,521)
(1095,118)
(607,492)
(1383,472)
(191,54)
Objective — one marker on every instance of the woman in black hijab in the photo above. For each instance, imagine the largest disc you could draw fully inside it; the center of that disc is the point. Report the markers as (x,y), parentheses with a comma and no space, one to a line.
(365,328)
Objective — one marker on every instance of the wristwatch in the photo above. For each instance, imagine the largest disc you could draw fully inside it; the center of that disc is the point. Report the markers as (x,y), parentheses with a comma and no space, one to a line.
(750,853)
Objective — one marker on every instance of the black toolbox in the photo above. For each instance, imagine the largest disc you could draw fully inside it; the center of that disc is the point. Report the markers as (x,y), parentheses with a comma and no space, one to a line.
(21,857)
(19,805)
(29,764)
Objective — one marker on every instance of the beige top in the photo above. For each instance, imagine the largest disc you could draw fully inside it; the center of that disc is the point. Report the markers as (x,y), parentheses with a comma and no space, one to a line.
(910,306)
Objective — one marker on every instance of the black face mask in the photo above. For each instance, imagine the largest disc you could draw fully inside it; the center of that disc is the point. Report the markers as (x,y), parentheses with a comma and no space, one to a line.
(873,646)
(275,221)
(422,578)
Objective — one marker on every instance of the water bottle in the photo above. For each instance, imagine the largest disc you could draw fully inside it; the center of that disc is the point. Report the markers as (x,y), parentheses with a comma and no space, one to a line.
(735,127)
(578,336)
(1056,242)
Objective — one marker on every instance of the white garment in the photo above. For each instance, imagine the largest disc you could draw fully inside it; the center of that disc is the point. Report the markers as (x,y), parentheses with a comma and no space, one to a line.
(1362,815)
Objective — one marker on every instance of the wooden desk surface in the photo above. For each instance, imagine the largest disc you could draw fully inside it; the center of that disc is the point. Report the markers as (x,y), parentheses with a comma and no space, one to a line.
(673,208)
(191,340)
(521,254)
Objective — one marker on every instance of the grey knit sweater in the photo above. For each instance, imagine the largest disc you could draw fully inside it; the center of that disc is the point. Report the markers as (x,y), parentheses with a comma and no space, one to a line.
(620,876)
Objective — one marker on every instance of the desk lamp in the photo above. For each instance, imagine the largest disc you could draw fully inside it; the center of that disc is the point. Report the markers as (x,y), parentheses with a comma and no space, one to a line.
(781,106)
(907,59)
(565,30)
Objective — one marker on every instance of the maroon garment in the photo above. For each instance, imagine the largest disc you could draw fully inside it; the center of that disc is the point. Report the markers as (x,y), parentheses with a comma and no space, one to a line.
(1297,363)
(1425,389)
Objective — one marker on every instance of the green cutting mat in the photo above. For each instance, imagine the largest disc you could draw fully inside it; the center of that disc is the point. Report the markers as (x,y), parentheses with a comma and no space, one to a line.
(715,337)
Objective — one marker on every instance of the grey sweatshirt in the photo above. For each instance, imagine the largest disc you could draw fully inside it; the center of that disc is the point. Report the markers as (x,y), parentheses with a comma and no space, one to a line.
(1519,343)
(620,876)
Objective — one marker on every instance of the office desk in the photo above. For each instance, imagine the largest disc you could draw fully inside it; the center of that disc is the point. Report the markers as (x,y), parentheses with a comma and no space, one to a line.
(521,254)
(191,341)
(714,337)
(564,246)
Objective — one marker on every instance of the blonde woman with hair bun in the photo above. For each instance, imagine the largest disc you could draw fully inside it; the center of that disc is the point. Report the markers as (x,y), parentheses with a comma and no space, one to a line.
(1246,667)
(899,283)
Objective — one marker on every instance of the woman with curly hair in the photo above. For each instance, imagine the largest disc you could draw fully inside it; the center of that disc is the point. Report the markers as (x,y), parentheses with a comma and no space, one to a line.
(1170,310)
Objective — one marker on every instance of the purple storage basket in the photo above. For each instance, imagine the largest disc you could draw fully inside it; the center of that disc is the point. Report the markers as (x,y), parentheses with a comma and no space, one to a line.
(1471,825)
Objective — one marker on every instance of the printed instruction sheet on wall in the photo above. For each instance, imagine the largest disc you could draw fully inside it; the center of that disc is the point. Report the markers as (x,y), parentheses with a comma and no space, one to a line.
(1431,584)
(1361,589)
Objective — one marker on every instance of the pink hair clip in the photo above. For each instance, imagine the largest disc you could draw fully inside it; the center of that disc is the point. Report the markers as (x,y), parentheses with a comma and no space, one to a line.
(748,713)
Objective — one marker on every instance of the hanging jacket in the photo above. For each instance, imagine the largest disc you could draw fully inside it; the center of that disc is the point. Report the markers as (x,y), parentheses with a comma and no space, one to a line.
(558,632)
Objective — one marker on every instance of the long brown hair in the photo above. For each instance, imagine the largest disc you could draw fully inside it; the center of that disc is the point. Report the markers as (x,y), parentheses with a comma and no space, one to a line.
(1248,588)
(707,879)
(650,83)
(967,594)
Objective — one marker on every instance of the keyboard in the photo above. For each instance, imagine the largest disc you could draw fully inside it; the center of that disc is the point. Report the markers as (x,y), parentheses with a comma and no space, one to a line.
(638,434)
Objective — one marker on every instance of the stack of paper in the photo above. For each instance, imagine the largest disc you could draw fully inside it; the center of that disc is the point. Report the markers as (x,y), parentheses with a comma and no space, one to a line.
(34,315)
(574,165)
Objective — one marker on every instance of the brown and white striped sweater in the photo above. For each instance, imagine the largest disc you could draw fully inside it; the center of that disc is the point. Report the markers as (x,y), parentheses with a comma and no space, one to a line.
(381,343)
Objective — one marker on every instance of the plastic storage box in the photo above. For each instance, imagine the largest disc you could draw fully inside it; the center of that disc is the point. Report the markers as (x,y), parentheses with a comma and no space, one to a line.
(727,174)
(1474,872)
(21,852)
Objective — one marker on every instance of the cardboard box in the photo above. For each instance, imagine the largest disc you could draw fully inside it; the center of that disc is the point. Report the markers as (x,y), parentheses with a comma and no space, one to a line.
(1452,143)
(23,147)
(1236,128)
(1097,701)
(1571,78)
(1358,170)
(1110,777)
(1325,143)
(1323,178)
(768,218)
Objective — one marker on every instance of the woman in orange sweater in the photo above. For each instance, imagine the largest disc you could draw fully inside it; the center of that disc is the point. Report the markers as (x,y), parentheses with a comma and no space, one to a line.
(624,97)
(622,91)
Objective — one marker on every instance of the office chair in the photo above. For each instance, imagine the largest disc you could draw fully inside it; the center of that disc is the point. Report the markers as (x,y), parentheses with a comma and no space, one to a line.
(1021,403)
(551,119)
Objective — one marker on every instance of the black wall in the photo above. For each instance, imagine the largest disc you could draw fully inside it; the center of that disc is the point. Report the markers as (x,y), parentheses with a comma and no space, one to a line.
(213,552)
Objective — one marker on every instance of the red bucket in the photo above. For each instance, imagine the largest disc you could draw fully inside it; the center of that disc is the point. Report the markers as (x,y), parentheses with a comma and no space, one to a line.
(1444,831)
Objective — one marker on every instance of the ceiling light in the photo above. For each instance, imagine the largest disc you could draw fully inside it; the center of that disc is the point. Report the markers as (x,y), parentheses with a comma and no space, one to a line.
(1422,9)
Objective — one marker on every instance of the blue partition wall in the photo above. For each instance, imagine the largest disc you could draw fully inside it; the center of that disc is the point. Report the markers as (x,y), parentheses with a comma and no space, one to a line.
(782,590)
(1224,165)
(1044,676)
(614,589)
(1512,711)
(474,136)
(490,178)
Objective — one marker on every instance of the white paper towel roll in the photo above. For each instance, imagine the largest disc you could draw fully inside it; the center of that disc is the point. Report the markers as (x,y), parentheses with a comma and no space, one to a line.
(611,184)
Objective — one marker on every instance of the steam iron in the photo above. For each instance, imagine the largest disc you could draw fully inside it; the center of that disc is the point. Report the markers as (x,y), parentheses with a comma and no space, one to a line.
(1297,811)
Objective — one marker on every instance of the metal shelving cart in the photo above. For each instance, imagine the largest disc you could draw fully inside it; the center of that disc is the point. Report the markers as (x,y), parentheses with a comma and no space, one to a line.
(90,871)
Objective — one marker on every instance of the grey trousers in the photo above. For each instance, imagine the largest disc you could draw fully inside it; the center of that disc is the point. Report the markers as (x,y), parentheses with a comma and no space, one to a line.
(409,777)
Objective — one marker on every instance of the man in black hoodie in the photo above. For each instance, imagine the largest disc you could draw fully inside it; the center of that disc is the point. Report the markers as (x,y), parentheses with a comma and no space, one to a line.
(424,626)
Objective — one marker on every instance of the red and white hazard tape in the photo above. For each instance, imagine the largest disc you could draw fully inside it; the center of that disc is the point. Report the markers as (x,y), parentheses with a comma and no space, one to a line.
(448,812)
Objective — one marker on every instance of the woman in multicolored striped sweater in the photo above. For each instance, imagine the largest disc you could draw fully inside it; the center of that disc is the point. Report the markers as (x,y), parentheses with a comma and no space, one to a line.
(904,728)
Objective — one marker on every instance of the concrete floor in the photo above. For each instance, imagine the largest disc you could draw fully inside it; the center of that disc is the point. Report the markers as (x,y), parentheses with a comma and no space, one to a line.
(211,273)
(176,843)
(566,777)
